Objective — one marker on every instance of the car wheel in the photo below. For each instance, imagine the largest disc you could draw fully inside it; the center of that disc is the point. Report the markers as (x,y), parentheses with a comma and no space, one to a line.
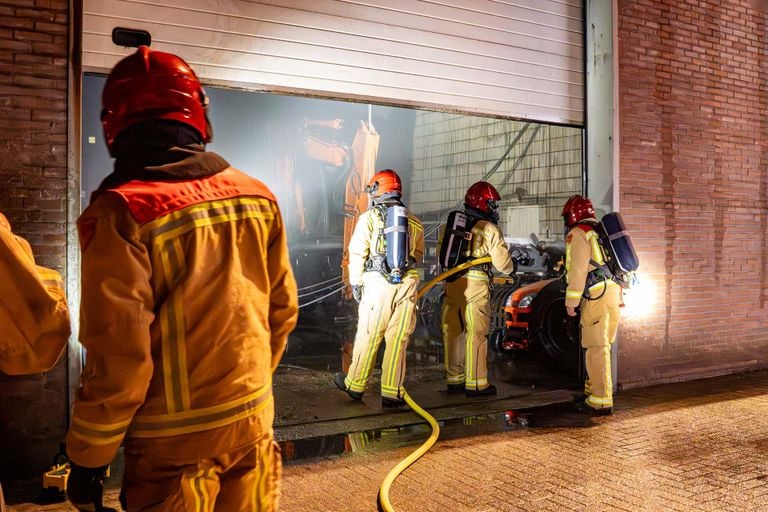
(553,330)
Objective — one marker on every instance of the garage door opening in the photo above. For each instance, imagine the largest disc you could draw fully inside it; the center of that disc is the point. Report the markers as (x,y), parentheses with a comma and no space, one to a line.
(317,155)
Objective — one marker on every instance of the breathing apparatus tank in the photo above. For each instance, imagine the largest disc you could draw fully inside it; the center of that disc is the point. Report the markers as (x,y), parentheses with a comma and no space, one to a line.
(620,256)
(397,243)
(454,249)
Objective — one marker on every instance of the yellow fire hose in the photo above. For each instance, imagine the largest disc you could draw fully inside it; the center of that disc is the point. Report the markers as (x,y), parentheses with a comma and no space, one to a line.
(384,503)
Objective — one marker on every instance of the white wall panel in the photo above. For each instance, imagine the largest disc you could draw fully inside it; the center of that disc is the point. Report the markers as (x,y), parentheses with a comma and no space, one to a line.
(515,58)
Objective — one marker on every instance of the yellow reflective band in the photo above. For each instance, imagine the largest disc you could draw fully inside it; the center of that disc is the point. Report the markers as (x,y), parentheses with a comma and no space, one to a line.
(200,490)
(168,343)
(97,441)
(211,221)
(359,384)
(99,434)
(354,385)
(392,391)
(182,217)
(469,317)
(398,345)
(197,420)
(600,401)
(101,427)
(607,349)
(570,294)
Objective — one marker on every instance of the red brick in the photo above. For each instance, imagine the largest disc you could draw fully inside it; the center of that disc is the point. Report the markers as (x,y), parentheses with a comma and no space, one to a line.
(693,183)
(33,170)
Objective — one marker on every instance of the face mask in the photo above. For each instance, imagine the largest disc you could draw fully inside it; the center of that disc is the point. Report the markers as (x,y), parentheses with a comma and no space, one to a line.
(493,210)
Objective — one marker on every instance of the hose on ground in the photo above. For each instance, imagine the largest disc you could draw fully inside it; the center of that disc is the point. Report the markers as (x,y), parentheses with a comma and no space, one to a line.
(384,502)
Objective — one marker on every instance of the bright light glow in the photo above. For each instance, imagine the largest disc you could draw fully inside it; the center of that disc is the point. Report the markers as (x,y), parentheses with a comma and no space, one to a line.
(640,300)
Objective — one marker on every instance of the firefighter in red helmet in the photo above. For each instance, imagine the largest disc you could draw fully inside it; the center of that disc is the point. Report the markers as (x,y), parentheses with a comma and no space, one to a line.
(597,296)
(466,308)
(188,300)
(386,295)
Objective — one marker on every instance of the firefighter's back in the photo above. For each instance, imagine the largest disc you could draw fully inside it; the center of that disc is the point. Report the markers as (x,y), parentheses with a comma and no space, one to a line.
(208,243)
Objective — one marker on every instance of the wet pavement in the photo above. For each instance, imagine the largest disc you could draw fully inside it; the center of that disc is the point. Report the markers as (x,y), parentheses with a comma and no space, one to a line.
(308,405)
(686,447)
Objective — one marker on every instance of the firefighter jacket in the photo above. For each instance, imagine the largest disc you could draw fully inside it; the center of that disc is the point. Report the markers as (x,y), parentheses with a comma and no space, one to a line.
(34,321)
(582,250)
(188,301)
(487,240)
(367,241)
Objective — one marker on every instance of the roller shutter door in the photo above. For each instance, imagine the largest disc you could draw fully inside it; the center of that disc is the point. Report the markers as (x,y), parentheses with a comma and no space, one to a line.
(511,58)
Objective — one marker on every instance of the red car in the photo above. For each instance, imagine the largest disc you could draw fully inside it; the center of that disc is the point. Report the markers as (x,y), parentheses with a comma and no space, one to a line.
(535,320)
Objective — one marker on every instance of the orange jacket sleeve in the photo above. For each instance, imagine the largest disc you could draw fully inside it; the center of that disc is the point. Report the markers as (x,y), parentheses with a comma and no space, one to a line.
(34,320)
(577,255)
(283,299)
(116,313)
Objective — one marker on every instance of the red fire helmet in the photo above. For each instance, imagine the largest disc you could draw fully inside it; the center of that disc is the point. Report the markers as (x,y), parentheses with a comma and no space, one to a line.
(152,85)
(385,182)
(577,209)
(484,197)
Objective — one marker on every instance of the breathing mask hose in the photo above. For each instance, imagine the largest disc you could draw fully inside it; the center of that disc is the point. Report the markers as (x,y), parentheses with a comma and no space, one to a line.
(384,502)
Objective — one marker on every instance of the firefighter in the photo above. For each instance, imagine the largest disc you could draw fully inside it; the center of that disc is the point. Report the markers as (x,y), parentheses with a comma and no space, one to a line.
(598,297)
(466,306)
(34,320)
(188,300)
(387,308)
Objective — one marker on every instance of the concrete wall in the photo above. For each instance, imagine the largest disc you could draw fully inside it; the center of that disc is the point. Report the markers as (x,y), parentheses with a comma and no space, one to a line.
(694,186)
(450,152)
(33,181)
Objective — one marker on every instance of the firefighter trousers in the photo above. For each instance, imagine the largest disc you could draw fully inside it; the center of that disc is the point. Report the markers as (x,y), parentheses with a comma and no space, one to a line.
(387,311)
(466,320)
(599,323)
(247,479)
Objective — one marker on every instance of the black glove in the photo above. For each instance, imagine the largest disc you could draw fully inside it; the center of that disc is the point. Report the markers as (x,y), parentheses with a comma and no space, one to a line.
(357,293)
(85,488)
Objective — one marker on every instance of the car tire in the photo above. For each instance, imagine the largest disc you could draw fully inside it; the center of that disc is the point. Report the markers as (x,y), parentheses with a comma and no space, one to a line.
(553,330)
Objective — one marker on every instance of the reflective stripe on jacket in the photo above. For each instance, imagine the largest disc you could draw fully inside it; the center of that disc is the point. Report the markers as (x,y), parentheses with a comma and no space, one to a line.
(188,300)
(487,240)
(366,237)
(34,320)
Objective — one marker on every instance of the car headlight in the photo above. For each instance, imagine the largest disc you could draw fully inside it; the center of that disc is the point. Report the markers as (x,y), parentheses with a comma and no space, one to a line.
(525,302)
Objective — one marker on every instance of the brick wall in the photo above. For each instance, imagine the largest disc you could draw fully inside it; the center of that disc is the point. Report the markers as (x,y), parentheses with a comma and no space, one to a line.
(33,180)
(694,186)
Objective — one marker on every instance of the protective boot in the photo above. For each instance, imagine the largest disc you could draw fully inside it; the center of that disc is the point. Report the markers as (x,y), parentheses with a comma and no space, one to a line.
(392,403)
(584,408)
(489,391)
(338,379)
(455,389)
